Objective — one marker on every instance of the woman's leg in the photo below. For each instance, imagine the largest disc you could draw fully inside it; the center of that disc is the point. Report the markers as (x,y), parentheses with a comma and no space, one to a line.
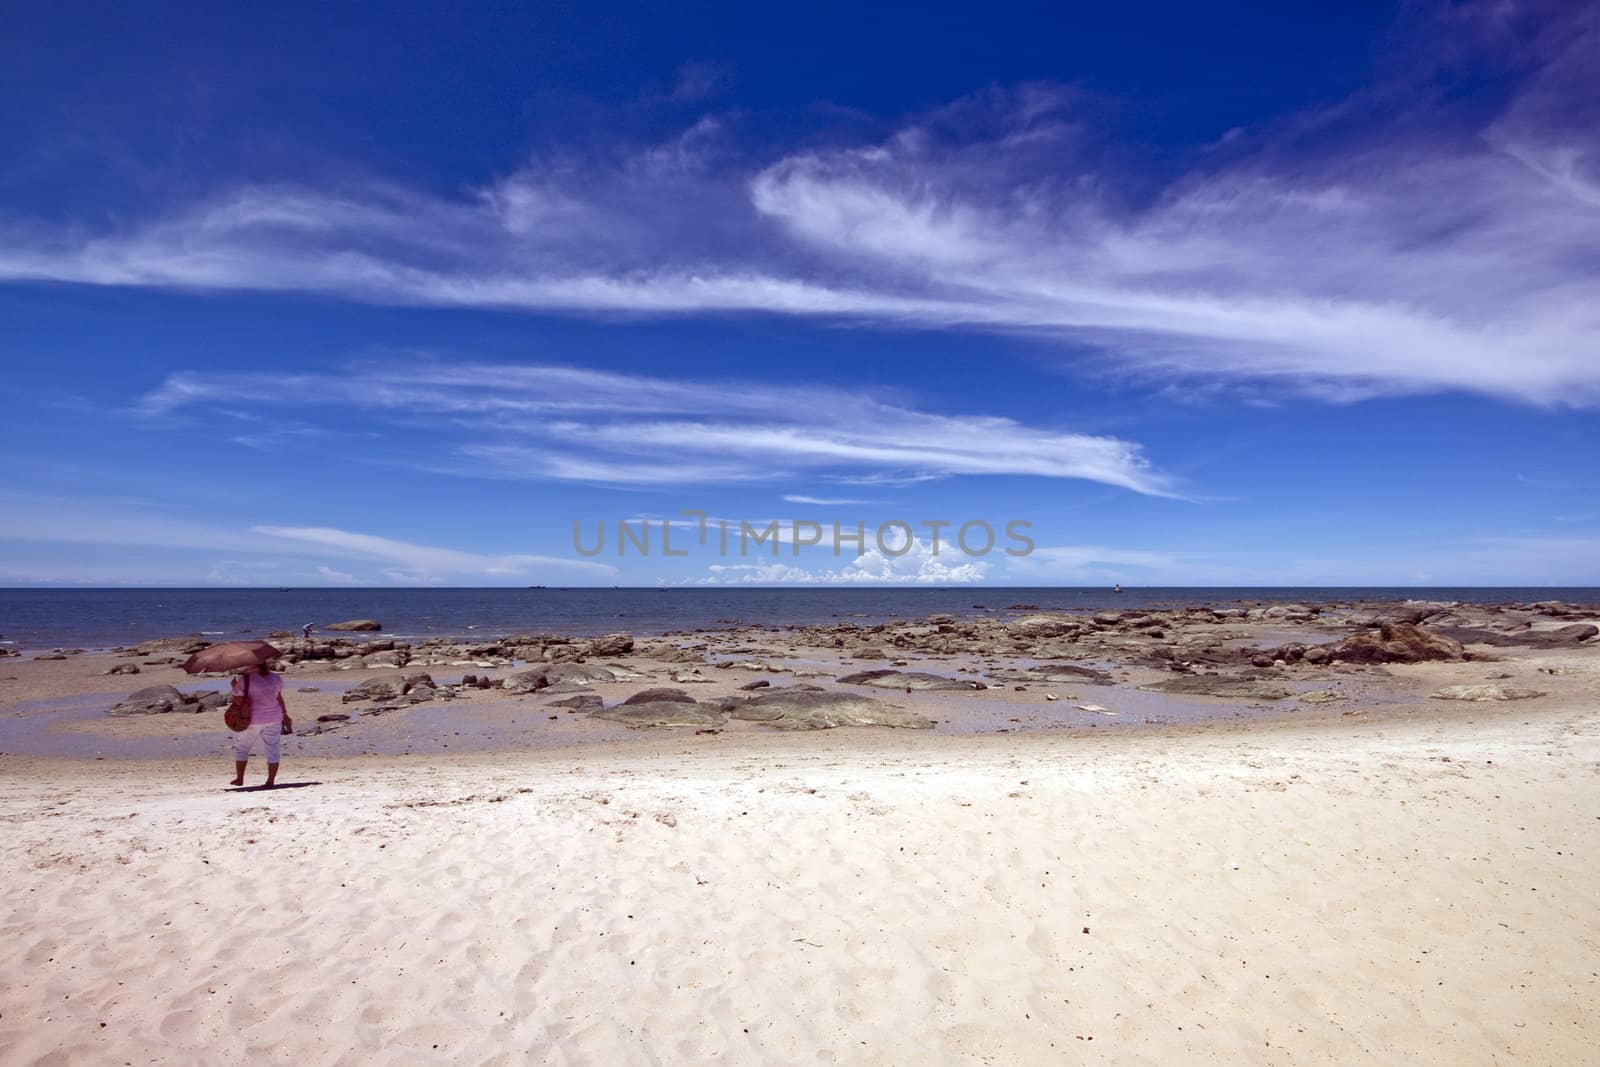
(272,741)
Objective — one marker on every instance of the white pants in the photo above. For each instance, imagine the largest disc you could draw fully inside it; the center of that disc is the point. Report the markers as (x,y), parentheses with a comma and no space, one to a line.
(270,736)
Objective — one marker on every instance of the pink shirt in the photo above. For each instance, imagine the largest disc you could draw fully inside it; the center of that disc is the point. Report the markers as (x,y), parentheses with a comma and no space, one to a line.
(264,693)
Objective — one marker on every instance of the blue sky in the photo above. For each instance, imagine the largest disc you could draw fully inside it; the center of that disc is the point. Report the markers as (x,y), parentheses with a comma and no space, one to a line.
(383,294)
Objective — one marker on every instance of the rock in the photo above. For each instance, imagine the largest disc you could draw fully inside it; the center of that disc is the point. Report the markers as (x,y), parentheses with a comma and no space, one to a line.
(1485,692)
(153,700)
(211,700)
(660,693)
(389,687)
(1317,655)
(50,655)
(1320,696)
(124,668)
(355,624)
(611,645)
(1095,709)
(1397,642)
(581,702)
(333,717)
(797,708)
(1222,685)
(662,713)
(759,683)
(1561,637)
(544,677)
(870,652)
(1044,626)
(170,644)
(918,680)
(689,677)
(421,694)
(1054,672)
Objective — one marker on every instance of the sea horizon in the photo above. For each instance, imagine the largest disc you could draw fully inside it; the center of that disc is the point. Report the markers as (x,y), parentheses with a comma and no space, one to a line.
(47,618)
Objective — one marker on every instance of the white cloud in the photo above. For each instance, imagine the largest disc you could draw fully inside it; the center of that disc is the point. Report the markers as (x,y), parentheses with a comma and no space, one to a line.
(336,577)
(549,422)
(1387,245)
(797,498)
(426,560)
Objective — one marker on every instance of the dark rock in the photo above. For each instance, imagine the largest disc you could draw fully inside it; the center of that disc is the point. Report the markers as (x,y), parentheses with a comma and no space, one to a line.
(123,668)
(918,680)
(660,693)
(154,700)
(355,624)
(333,717)
(611,645)
(1563,637)
(760,683)
(662,713)
(797,708)
(1222,685)
(1397,642)
(581,702)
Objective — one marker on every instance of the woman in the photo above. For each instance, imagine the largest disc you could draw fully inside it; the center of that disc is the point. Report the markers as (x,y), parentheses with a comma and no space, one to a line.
(269,720)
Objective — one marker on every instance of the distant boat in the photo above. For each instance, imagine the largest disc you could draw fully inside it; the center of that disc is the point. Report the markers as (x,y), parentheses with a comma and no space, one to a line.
(1117,588)
(535,587)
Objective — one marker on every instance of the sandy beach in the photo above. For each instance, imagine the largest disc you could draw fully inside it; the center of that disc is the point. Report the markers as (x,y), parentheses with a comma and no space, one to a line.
(1390,878)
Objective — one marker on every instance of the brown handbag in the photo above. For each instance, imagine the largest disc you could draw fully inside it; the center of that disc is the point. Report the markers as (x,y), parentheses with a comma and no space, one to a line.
(237,717)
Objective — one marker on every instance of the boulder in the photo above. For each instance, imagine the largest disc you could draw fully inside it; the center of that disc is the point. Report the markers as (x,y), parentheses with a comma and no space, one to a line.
(154,700)
(554,673)
(1320,696)
(1562,637)
(1485,692)
(355,625)
(1396,642)
(1034,626)
(661,713)
(581,702)
(611,645)
(124,668)
(660,693)
(797,708)
(918,680)
(1236,687)
(389,686)
(1054,672)
(171,644)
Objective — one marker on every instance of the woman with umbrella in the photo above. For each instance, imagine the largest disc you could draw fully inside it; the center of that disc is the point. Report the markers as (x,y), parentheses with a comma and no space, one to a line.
(269,716)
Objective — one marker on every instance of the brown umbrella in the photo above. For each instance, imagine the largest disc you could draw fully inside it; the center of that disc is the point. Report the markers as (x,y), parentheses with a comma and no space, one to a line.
(230,655)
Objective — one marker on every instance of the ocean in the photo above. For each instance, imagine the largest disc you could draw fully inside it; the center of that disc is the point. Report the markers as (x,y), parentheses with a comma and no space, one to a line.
(103,618)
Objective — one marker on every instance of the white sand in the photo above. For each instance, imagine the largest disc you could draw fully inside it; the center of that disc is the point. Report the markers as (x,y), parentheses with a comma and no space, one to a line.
(1360,891)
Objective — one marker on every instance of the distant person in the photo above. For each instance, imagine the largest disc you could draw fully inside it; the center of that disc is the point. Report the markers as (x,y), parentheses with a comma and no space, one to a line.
(305,631)
(269,721)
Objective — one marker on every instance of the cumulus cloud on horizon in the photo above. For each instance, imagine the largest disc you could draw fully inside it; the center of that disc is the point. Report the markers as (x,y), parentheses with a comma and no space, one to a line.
(1386,244)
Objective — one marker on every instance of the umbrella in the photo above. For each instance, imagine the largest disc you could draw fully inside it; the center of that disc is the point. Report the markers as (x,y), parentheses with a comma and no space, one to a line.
(230,655)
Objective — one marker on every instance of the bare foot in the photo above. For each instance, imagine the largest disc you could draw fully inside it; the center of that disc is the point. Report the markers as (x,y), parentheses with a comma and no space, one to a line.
(237,781)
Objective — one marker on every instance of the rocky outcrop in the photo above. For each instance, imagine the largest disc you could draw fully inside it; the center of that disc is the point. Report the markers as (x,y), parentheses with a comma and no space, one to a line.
(414,686)
(1235,687)
(1054,672)
(660,693)
(355,625)
(611,645)
(1396,642)
(805,708)
(662,713)
(1562,637)
(1485,692)
(538,678)
(907,680)
(161,699)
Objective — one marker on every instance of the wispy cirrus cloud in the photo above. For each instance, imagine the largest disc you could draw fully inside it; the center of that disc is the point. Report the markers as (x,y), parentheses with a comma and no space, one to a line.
(555,423)
(1392,243)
